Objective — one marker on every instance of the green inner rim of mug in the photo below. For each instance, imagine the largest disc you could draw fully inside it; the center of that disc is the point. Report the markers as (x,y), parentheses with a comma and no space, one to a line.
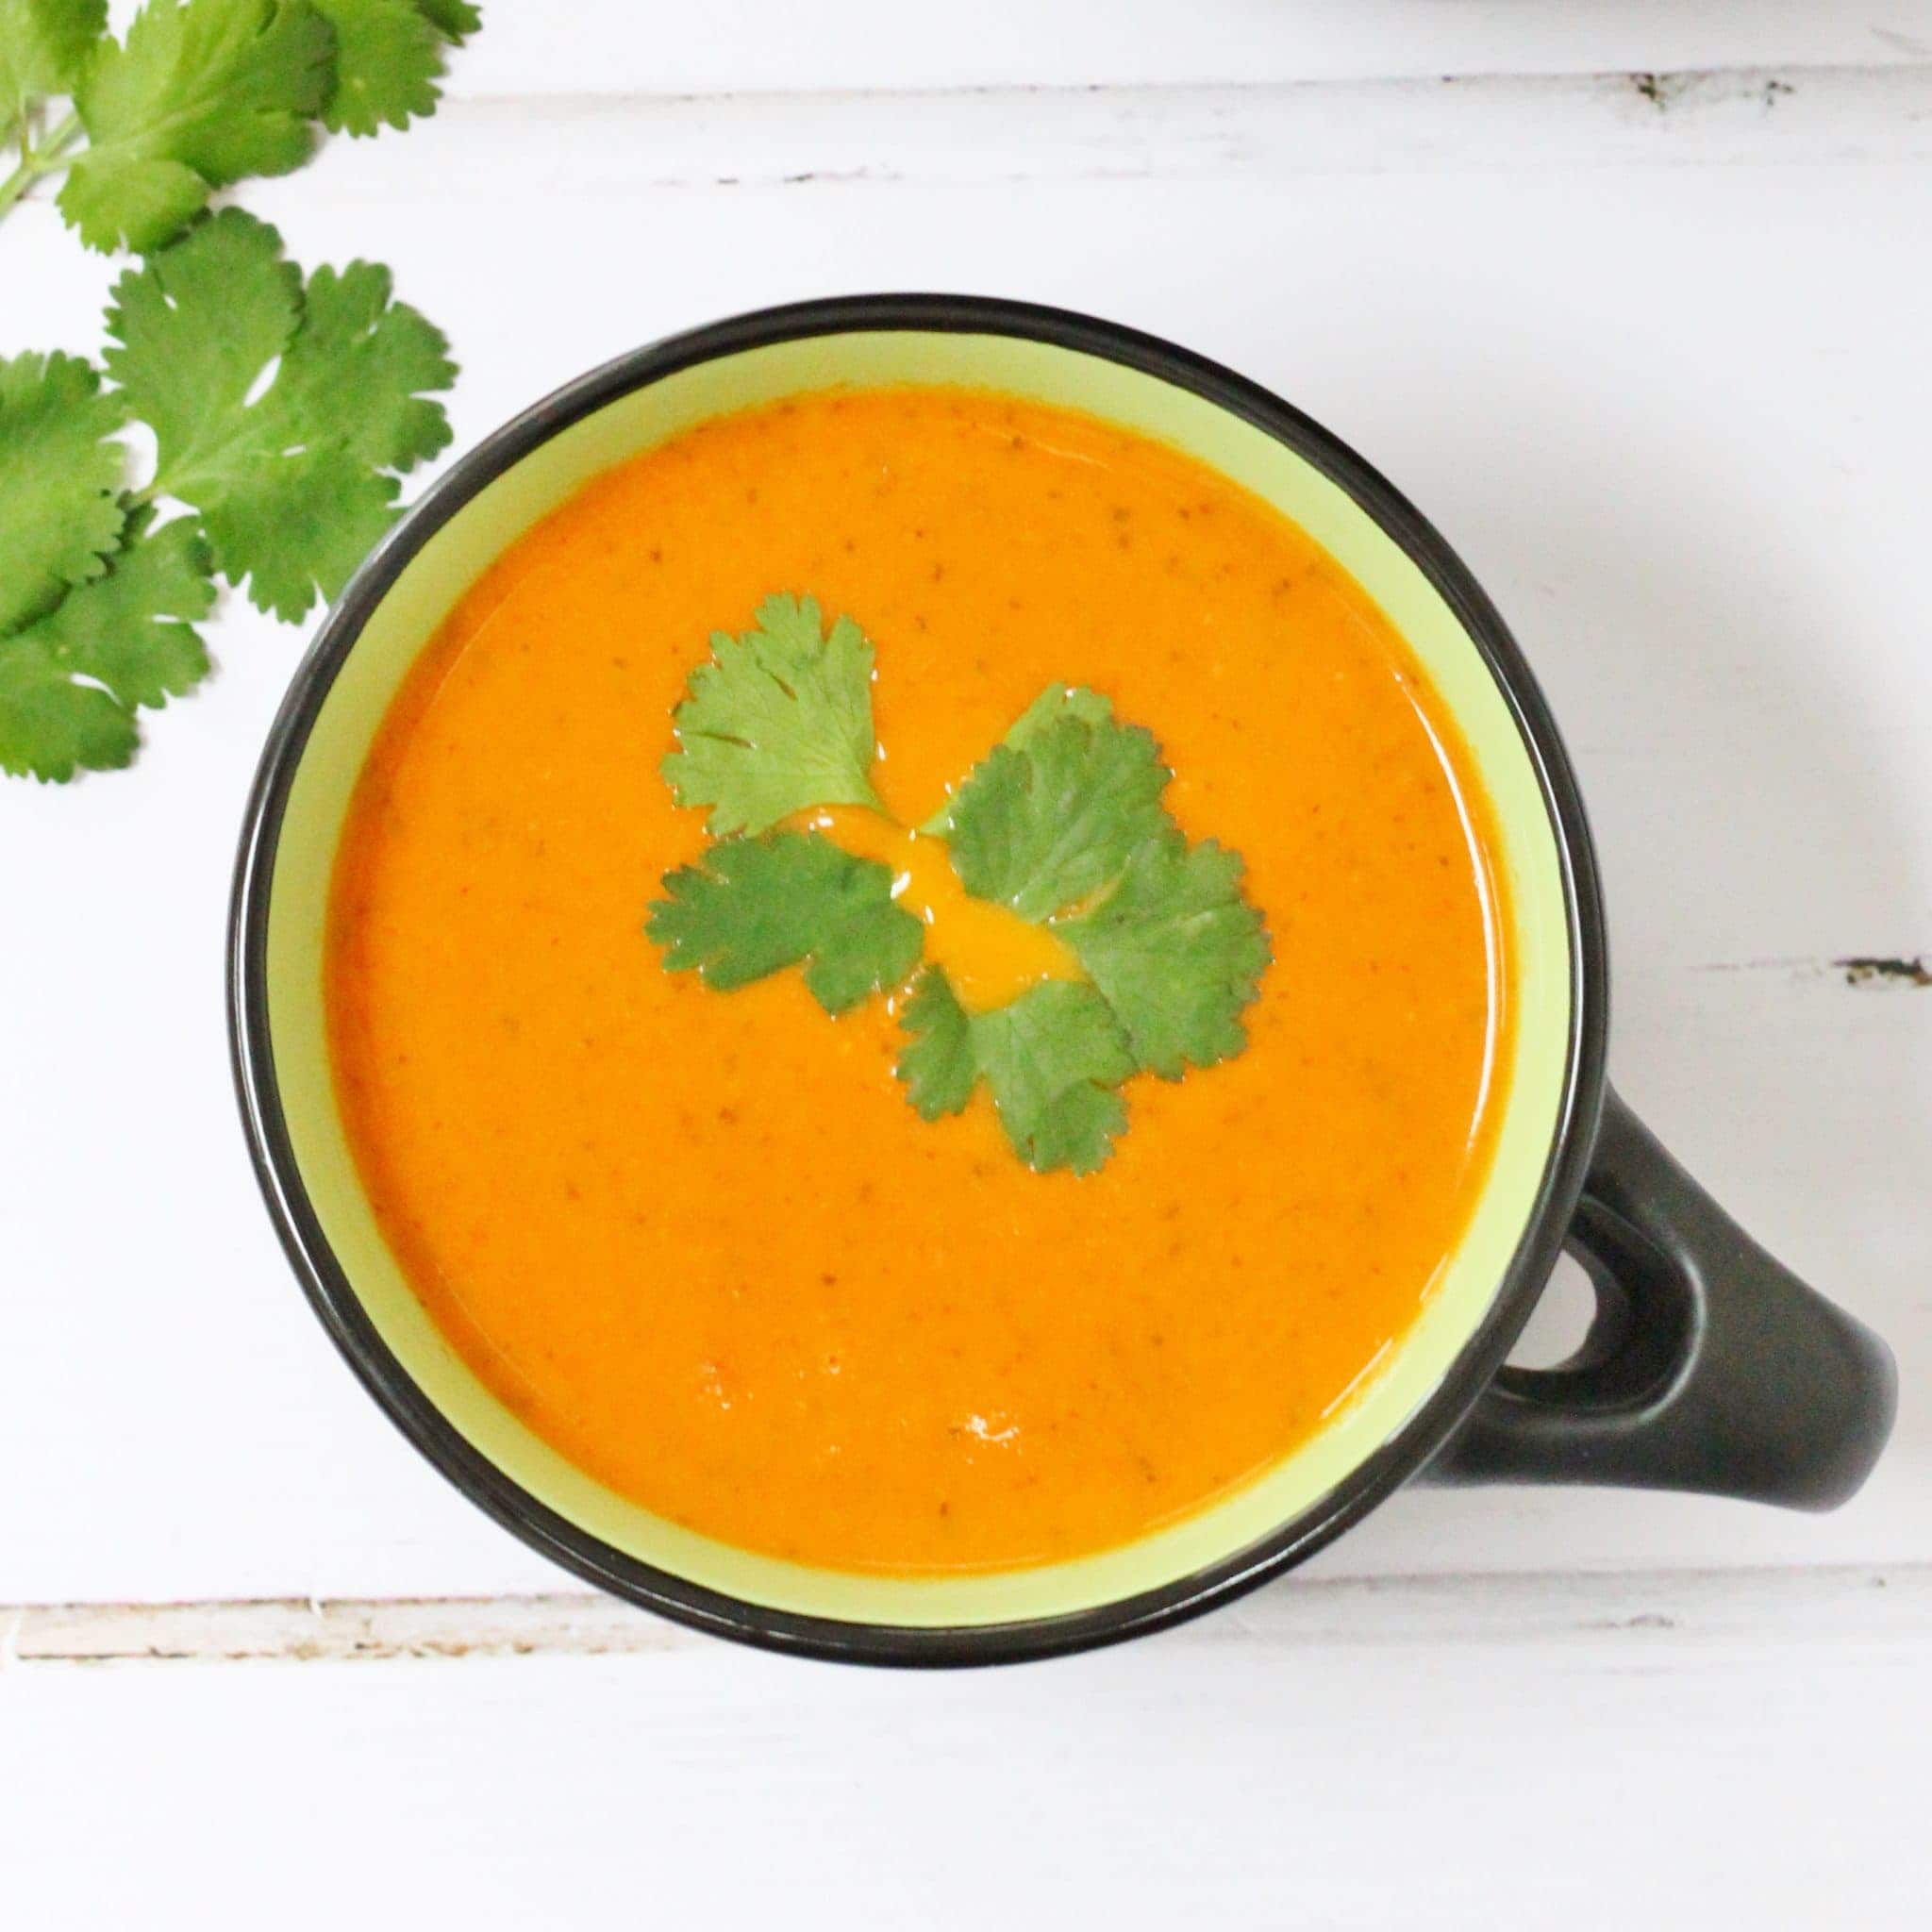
(1530,1081)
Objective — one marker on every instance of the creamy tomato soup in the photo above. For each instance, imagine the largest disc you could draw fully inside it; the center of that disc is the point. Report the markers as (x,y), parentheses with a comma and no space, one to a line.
(698,1239)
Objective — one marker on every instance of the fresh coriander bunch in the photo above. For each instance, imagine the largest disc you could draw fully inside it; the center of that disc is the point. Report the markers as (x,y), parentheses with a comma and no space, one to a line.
(100,588)
(104,574)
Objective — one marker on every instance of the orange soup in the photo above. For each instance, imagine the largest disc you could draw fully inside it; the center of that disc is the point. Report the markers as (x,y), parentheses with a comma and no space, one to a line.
(697,1239)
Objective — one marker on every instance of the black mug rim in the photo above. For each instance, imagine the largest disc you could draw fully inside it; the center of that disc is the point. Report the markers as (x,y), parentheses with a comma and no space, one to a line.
(333,1297)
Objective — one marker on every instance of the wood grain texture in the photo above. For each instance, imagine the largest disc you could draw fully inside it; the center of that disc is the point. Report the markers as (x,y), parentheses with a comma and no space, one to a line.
(603,144)
(875,44)
(1668,1613)
(1558,1753)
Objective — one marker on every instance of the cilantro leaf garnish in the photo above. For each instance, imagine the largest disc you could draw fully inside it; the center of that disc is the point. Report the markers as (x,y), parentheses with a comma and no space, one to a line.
(754,906)
(1042,825)
(1063,822)
(1056,701)
(1177,953)
(293,488)
(43,45)
(389,57)
(777,720)
(70,682)
(60,476)
(939,1066)
(200,94)
(1053,1059)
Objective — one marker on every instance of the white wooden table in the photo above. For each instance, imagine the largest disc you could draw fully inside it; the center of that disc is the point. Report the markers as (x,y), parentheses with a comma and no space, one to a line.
(1634,299)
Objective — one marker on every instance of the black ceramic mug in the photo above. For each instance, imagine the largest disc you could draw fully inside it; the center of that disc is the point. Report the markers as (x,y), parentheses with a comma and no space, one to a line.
(1708,1366)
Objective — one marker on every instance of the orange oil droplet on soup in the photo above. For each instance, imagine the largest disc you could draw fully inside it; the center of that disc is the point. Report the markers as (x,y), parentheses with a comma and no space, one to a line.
(989,953)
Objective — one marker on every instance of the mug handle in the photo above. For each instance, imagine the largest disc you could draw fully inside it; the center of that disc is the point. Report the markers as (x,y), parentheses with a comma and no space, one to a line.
(1708,1366)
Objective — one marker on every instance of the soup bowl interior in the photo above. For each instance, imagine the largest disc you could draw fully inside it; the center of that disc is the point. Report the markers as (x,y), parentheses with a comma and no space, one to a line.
(391,612)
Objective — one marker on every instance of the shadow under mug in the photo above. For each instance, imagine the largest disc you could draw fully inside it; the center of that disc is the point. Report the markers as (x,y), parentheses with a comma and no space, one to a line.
(1707,1367)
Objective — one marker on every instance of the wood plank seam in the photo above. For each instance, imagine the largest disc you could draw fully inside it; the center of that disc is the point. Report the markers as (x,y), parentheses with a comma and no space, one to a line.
(980,134)
(1883,1609)
(585,145)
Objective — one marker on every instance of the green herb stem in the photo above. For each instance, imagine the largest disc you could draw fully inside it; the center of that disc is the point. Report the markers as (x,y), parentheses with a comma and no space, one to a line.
(35,161)
(16,184)
(46,158)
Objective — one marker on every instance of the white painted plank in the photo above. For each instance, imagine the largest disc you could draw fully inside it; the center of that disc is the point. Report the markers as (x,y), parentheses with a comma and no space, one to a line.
(604,145)
(1587,1761)
(531,48)
(1694,1611)
(775,45)
(1675,417)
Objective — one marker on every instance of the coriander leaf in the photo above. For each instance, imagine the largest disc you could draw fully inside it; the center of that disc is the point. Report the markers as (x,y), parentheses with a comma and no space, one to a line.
(1052,1059)
(939,1067)
(132,629)
(291,487)
(388,55)
(360,366)
(296,525)
(70,683)
(1056,701)
(1044,825)
(201,94)
(1177,953)
(777,720)
(753,906)
(50,726)
(43,47)
(193,330)
(455,20)
(60,481)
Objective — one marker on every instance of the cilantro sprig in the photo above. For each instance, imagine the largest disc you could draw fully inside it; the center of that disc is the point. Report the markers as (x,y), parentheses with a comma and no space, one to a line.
(285,493)
(196,97)
(1063,822)
(202,93)
(293,488)
(104,576)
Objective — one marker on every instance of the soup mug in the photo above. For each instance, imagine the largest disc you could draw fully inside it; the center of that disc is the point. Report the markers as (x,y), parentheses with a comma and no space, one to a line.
(1707,1367)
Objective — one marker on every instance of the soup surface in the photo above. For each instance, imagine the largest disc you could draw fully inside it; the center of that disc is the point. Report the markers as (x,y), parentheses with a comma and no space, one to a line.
(698,1239)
